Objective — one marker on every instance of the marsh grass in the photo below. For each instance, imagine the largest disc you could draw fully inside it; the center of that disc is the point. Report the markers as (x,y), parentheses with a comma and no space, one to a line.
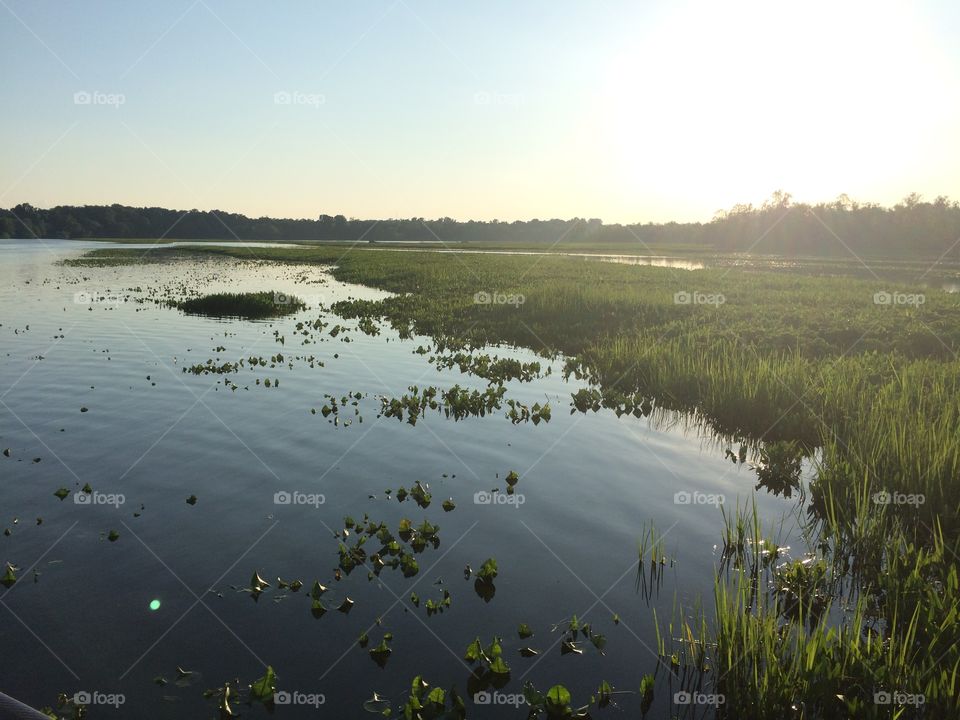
(249,306)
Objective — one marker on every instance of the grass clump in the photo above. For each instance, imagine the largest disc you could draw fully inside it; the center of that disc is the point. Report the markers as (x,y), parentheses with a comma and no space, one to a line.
(248,306)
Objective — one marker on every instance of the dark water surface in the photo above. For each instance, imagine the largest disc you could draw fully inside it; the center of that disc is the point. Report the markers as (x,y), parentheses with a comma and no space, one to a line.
(79,618)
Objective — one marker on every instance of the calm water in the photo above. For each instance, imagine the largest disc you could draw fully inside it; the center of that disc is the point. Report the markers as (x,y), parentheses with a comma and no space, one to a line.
(620,259)
(79,618)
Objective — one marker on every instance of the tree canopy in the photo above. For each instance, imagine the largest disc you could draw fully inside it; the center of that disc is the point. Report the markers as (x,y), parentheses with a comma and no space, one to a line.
(913,226)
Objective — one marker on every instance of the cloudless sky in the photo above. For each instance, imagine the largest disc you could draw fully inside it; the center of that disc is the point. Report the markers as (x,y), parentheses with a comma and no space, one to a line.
(511,109)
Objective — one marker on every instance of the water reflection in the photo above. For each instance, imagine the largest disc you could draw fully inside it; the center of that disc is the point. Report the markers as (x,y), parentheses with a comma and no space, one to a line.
(649,260)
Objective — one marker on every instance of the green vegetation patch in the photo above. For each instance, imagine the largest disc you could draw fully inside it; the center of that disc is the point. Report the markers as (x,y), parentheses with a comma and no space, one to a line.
(248,306)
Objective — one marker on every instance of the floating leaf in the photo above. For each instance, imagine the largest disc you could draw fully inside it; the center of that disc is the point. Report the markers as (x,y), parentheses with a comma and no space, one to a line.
(264,688)
(113,536)
(499,667)
(377,704)
(487,571)
(437,697)
(62,493)
(568,646)
(474,651)
(448,505)
(381,653)
(192,500)
(408,565)
(257,583)
(9,576)
(524,631)
(558,698)
(420,493)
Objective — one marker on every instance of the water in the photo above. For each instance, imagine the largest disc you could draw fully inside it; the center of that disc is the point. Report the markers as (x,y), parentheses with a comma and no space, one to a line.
(157,435)
(651,260)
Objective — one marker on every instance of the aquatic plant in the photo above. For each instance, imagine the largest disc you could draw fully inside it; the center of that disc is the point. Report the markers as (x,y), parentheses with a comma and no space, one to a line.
(249,306)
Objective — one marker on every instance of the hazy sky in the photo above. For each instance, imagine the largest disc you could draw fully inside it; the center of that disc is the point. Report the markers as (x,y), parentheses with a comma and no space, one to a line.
(627,111)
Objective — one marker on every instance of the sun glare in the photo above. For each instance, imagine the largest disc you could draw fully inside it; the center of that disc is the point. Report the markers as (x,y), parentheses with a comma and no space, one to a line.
(729,101)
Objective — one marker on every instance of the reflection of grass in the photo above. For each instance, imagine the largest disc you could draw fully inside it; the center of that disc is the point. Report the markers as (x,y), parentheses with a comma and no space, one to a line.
(805,360)
(250,306)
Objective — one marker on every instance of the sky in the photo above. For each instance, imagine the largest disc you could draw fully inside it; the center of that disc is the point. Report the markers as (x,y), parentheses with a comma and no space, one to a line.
(626,111)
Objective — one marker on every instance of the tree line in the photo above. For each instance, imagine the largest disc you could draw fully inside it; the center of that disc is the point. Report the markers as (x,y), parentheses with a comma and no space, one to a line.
(913,226)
